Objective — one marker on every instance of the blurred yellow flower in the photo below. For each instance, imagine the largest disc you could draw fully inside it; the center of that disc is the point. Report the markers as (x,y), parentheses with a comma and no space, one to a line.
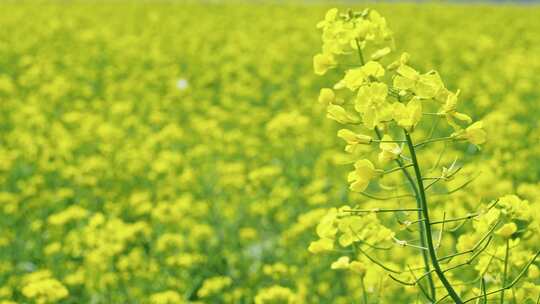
(364,172)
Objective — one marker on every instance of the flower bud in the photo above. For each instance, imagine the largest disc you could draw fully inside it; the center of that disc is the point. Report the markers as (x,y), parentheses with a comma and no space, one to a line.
(389,150)
(507,230)
(339,114)
(475,133)
(327,96)
(358,267)
(353,138)
(322,63)
(363,172)
(380,53)
(321,245)
(341,263)
(533,272)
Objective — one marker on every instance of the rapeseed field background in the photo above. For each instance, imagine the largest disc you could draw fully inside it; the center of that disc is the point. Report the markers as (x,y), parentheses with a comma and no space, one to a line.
(171,152)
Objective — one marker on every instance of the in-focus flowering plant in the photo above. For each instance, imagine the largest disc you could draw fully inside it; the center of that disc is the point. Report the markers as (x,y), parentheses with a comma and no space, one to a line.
(392,104)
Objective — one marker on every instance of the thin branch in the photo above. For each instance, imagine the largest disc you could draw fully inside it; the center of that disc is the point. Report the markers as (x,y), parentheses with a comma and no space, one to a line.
(469,261)
(421,226)
(441,233)
(406,244)
(388,141)
(505,271)
(364,292)
(439,159)
(434,127)
(420,144)
(466,217)
(476,246)
(429,239)
(442,299)
(380,264)
(437,179)
(465,184)
(378,210)
(483,289)
(360,55)
(419,285)
(432,114)
(401,281)
(397,168)
(514,282)
(379,198)
(371,245)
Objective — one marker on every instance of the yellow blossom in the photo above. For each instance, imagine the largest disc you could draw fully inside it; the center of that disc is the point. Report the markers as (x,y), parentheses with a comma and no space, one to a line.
(275,294)
(323,62)
(321,245)
(341,263)
(330,16)
(358,267)
(166,297)
(213,285)
(47,290)
(407,116)
(339,114)
(363,172)
(327,96)
(507,230)
(474,133)
(449,110)
(354,138)
(424,86)
(371,102)
(389,150)
(354,78)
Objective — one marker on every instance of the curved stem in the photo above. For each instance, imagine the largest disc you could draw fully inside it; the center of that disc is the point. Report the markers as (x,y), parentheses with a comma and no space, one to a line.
(505,269)
(418,202)
(364,292)
(511,285)
(427,225)
(425,257)
(433,140)
(397,169)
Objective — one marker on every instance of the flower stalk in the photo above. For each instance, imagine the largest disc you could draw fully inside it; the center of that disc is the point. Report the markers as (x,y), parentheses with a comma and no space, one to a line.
(390,97)
(425,258)
(427,225)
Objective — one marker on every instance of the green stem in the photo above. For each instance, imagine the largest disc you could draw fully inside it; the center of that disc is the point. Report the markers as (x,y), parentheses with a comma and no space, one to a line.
(377,210)
(418,203)
(397,168)
(388,141)
(483,288)
(505,269)
(415,190)
(433,140)
(427,224)
(425,257)
(384,198)
(514,282)
(364,293)
(360,55)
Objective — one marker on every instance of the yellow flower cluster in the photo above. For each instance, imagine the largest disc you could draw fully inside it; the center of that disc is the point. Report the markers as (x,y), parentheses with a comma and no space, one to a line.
(166,297)
(275,294)
(213,285)
(394,100)
(42,288)
(171,151)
